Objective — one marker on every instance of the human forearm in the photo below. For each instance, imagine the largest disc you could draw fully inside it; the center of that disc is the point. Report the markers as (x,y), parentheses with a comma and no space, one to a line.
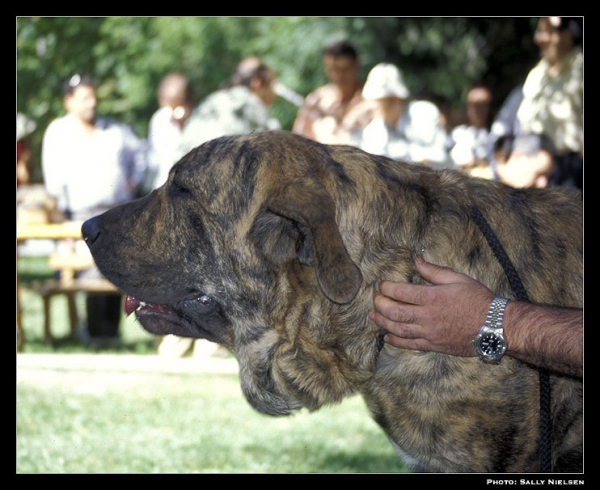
(545,336)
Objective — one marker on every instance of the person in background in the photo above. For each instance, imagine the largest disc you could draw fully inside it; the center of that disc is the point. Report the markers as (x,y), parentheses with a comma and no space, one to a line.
(552,105)
(91,164)
(505,125)
(169,130)
(532,160)
(25,127)
(470,141)
(241,106)
(331,112)
(403,129)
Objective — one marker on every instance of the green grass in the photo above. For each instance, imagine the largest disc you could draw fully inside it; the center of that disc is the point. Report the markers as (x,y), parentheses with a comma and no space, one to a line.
(185,424)
(173,423)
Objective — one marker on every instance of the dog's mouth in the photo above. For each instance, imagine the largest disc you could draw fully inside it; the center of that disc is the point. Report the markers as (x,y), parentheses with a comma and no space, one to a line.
(141,308)
(197,317)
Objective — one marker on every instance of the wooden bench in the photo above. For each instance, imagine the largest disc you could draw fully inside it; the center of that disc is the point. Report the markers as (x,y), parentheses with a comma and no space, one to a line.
(68,264)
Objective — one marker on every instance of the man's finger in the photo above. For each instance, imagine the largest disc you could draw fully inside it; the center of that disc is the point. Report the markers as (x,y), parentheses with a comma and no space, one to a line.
(403,292)
(404,330)
(394,310)
(406,343)
(436,274)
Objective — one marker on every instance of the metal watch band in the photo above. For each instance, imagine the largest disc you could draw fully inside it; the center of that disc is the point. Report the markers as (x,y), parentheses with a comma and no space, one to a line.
(496,312)
(490,343)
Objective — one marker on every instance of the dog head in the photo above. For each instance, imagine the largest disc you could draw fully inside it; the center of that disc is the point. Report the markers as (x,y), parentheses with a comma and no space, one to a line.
(242,246)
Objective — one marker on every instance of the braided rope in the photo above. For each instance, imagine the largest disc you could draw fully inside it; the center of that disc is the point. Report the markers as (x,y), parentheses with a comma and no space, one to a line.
(521,294)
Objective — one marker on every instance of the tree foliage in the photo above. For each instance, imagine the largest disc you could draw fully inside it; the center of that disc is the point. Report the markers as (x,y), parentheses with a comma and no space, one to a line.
(440,57)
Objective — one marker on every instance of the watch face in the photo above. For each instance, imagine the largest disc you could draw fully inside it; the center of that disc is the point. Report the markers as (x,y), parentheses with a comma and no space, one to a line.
(491,344)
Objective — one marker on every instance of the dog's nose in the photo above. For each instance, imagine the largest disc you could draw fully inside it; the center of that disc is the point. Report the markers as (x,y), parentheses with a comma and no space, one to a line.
(91,230)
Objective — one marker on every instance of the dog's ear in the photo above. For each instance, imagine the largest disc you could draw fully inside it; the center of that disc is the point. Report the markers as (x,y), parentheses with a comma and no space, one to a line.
(301,225)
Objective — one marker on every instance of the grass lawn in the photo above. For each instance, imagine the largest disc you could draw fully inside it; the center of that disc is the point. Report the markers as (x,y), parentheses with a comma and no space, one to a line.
(98,422)
(187,424)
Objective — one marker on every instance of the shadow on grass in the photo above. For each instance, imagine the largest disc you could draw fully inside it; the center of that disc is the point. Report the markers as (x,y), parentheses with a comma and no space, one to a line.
(362,462)
(322,457)
(358,461)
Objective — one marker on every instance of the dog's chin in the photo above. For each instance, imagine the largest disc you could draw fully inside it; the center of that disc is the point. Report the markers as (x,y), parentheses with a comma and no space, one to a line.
(199,318)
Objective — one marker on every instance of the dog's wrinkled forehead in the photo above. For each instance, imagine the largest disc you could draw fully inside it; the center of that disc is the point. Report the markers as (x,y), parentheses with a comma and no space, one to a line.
(241,155)
(224,174)
(214,155)
(218,167)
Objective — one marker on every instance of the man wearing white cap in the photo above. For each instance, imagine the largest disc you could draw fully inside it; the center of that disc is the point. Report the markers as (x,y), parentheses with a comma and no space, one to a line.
(408,130)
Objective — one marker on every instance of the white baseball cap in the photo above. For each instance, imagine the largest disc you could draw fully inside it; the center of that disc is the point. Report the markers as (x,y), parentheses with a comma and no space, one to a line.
(384,80)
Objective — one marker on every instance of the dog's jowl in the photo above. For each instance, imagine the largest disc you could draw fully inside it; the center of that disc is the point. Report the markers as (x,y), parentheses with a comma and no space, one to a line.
(272,245)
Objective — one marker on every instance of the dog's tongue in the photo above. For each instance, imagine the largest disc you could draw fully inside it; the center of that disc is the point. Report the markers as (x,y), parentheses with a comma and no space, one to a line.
(131,304)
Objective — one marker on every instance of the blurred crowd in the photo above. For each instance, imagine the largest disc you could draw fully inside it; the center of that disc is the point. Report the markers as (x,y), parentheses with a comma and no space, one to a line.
(91,163)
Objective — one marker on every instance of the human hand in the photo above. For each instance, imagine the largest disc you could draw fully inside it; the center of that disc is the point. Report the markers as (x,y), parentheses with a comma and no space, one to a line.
(523,170)
(442,317)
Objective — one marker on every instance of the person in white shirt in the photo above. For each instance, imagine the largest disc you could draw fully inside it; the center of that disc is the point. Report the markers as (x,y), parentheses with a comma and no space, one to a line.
(552,106)
(470,141)
(91,164)
(403,129)
(171,131)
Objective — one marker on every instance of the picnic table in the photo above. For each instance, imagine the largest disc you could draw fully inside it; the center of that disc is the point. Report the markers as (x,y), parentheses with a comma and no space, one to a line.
(68,258)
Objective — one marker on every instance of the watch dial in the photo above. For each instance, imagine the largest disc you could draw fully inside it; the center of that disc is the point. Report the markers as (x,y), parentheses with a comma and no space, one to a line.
(491,344)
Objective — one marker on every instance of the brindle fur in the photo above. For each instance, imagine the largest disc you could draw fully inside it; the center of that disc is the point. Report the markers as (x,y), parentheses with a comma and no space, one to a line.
(291,237)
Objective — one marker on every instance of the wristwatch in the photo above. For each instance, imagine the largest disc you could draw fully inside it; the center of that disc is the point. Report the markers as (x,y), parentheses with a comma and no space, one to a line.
(490,343)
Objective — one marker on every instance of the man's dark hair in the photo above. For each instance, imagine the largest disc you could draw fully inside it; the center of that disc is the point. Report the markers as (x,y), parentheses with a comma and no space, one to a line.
(341,48)
(575,26)
(75,81)
(188,90)
(249,68)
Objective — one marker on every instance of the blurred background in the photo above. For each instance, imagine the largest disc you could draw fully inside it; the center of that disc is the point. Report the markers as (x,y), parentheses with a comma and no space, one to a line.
(440,58)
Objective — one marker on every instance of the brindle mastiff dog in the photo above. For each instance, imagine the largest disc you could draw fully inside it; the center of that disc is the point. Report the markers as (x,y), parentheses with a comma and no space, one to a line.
(273,245)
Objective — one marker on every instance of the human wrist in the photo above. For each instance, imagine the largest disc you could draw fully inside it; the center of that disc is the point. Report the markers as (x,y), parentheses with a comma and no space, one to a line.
(514,312)
(545,336)
(490,342)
